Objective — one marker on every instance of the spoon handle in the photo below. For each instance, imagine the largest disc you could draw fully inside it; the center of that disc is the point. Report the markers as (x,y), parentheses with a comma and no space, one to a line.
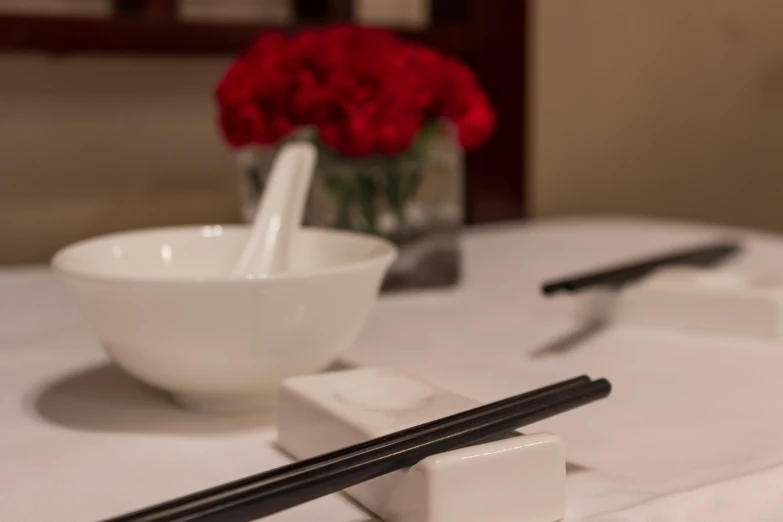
(279,213)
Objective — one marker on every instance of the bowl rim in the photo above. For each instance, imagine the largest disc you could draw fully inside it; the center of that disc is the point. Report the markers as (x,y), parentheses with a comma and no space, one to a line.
(387,254)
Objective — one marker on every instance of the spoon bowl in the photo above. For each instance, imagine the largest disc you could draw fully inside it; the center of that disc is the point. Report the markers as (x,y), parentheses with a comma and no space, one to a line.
(167,308)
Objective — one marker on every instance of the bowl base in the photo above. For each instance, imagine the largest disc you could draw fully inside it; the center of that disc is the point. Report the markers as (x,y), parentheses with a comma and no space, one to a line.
(226,405)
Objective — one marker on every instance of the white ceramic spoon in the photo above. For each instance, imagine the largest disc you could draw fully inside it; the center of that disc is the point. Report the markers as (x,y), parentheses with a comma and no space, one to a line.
(279,213)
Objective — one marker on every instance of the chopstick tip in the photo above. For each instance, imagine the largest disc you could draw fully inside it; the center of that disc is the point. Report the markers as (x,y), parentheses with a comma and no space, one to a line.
(605,384)
(549,289)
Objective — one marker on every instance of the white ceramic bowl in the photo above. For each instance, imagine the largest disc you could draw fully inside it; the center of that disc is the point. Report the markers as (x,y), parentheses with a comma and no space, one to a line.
(163,305)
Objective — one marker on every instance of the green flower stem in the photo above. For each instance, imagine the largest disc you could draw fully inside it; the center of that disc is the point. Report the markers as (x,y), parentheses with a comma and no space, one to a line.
(367,201)
(254,176)
(361,187)
(401,186)
(341,194)
(394,195)
(344,210)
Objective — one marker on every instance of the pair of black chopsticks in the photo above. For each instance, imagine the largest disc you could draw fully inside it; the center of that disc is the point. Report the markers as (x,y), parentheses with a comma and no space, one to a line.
(621,275)
(267,493)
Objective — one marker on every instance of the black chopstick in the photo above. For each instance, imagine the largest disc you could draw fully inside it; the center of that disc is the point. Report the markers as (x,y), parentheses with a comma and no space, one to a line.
(706,255)
(386,440)
(267,493)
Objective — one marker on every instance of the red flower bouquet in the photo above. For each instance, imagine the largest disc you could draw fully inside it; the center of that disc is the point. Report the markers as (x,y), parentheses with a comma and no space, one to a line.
(365,90)
(389,117)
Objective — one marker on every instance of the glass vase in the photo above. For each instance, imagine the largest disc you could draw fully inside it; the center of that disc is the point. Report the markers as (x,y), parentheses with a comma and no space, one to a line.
(413,199)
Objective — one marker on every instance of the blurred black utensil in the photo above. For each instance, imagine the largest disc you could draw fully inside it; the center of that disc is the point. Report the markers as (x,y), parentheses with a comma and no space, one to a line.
(621,275)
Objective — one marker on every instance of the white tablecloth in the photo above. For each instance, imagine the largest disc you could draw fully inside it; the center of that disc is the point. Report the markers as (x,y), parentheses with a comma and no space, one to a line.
(692,432)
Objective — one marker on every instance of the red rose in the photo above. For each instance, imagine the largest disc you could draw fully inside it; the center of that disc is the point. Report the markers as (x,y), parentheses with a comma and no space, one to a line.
(419,76)
(475,125)
(309,99)
(364,89)
(457,87)
(273,127)
(353,136)
(248,123)
(237,85)
(240,124)
(396,137)
(396,128)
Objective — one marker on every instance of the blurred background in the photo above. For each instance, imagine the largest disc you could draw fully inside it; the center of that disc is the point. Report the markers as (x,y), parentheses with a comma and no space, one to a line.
(671,108)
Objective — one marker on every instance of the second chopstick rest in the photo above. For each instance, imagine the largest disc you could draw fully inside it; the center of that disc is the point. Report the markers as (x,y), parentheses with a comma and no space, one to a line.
(520,478)
(723,301)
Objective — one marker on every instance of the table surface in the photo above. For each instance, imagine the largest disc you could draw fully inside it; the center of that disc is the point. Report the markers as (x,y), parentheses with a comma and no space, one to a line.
(81,441)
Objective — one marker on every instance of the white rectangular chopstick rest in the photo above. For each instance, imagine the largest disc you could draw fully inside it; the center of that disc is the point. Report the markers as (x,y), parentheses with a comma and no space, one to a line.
(718,301)
(517,479)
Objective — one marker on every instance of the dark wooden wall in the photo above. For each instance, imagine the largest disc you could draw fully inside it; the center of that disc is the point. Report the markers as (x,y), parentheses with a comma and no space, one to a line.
(490,35)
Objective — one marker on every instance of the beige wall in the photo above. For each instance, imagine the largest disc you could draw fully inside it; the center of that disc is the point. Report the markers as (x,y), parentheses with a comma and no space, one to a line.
(665,107)
(89,145)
